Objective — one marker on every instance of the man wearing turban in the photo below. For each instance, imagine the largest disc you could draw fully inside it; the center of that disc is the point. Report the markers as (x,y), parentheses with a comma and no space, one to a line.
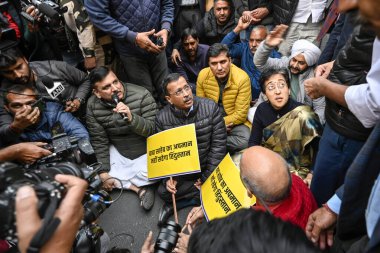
(301,64)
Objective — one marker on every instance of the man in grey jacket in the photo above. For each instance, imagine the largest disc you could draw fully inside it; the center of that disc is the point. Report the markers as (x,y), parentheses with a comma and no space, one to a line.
(120,116)
(301,64)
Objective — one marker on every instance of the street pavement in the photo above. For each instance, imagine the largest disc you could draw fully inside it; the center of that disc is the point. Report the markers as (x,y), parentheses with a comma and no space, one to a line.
(127,224)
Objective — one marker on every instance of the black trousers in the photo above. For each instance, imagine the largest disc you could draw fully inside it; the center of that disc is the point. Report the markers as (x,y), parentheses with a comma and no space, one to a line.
(185,190)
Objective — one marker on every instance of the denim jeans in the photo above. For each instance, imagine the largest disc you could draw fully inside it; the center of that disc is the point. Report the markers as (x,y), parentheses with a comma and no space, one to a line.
(336,153)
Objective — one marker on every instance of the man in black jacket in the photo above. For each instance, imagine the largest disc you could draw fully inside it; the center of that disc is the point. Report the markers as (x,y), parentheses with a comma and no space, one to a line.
(183,109)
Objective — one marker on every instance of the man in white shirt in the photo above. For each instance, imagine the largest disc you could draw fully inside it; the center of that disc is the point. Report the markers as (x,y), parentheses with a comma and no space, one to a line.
(306,23)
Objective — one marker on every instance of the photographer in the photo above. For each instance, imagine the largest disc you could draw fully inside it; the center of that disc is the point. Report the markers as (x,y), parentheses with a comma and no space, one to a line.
(75,40)
(32,120)
(70,214)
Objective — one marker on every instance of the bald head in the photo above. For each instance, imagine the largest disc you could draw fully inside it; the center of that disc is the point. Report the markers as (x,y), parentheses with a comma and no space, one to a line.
(265,174)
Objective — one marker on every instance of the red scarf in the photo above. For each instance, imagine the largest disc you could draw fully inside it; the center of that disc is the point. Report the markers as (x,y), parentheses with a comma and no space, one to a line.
(297,207)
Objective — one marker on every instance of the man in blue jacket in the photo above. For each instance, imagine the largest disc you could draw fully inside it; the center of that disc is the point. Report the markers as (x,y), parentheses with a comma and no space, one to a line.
(246,50)
(34,123)
(136,27)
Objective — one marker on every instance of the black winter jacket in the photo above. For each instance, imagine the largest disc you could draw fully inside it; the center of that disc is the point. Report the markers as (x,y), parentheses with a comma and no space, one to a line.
(350,68)
(209,126)
(107,127)
(283,11)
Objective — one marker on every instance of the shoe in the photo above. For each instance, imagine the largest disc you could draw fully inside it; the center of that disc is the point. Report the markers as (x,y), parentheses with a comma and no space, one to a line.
(165,212)
(146,196)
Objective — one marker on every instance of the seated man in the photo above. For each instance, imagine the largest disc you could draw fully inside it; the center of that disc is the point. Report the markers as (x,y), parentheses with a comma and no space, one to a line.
(120,116)
(192,56)
(230,87)
(301,64)
(266,175)
(246,50)
(15,69)
(285,126)
(183,109)
(33,122)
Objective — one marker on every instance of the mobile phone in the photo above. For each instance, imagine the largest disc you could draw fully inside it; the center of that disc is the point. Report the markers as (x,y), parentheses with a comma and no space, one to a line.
(40,104)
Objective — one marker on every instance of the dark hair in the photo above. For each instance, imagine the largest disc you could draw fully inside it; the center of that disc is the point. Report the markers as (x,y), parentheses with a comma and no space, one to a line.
(172,77)
(228,1)
(216,49)
(17,88)
(9,57)
(189,32)
(98,74)
(248,231)
(266,74)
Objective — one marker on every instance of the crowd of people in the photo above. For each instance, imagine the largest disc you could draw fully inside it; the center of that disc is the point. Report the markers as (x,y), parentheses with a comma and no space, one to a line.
(290,89)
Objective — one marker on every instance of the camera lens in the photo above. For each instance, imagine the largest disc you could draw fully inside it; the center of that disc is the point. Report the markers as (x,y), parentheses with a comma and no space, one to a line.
(167,238)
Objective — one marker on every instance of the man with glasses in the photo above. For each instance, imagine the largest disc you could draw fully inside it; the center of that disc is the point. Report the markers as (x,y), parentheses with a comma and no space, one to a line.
(183,109)
(230,87)
(301,64)
(120,118)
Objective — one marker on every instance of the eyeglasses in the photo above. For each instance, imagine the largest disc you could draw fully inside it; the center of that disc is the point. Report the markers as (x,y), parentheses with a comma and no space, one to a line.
(272,86)
(180,91)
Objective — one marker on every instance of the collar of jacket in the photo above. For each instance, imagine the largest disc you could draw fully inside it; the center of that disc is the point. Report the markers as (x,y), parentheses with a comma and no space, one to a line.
(182,113)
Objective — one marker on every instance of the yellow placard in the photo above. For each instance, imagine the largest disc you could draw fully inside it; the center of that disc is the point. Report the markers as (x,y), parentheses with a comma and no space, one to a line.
(173,152)
(223,192)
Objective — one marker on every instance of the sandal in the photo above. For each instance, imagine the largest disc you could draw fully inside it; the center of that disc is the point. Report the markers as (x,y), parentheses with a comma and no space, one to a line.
(146,196)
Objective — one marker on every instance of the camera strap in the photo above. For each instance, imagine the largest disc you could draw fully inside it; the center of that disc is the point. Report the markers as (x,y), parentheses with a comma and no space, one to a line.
(49,225)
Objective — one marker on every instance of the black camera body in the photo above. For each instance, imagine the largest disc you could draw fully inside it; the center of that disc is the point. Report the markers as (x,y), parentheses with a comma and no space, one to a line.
(159,41)
(12,177)
(50,12)
(71,149)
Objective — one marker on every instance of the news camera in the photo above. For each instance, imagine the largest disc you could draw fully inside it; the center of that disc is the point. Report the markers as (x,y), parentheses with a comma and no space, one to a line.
(49,192)
(49,11)
(66,148)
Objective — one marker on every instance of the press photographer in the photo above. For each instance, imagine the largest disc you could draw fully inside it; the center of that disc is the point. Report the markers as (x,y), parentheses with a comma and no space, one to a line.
(33,119)
(15,69)
(66,27)
(70,213)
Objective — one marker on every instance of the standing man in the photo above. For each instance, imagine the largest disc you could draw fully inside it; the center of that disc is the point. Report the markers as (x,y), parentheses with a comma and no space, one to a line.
(140,31)
(120,116)
(230,87)
(246,50)
(185,109)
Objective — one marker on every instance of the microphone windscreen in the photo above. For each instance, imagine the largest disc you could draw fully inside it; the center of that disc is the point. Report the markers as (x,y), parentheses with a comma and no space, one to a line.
(115,98)
(48,82)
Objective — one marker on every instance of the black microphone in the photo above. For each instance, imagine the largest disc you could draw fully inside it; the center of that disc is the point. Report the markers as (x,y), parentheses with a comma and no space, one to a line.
(54,89)
(115,98)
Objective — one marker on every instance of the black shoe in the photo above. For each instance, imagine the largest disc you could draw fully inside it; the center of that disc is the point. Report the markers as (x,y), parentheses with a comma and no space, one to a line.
(165,212)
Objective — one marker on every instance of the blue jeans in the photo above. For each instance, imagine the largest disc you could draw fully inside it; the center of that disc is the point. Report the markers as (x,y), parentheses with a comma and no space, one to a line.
(336,153)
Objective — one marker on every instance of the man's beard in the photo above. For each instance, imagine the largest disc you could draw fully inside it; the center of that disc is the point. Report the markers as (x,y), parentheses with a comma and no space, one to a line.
(299,71)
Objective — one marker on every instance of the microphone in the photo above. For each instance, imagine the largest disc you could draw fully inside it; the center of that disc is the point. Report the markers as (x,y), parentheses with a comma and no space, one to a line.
(115,98)
(54,89)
